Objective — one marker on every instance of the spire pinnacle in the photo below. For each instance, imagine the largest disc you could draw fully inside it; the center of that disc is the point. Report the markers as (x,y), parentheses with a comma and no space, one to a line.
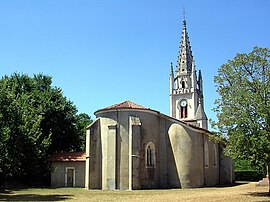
(171,67)
(185,58)
(184,13)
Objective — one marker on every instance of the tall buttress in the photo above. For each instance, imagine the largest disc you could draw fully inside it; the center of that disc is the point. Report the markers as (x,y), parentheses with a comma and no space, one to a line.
(186,89)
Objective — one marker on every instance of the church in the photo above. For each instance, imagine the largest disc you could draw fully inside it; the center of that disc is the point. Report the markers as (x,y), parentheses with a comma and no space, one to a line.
(130,146)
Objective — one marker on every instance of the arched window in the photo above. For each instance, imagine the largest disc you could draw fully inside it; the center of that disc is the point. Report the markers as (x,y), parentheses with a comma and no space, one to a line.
(183,84)
(206,154)
(150,156)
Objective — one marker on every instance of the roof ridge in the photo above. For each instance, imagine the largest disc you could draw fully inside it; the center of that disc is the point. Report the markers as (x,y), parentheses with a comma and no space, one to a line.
(127,104)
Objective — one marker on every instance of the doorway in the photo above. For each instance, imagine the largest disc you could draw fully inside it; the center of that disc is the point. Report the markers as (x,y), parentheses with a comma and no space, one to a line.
(70,177)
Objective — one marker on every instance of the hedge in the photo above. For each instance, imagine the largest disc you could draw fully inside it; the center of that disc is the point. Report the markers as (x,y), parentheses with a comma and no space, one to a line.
(248,175)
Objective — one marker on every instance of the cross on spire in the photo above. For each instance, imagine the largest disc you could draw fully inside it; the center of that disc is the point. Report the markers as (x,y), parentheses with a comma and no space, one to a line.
(184,13)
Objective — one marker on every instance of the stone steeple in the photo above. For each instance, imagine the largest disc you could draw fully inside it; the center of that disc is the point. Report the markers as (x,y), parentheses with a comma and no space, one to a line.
(185,58)
(186,90)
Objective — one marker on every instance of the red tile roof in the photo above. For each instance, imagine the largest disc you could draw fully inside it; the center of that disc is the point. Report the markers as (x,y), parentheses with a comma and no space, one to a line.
(124,105)
(68,156)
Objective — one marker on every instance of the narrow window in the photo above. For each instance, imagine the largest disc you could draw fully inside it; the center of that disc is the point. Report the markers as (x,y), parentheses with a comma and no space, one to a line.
(183,84)
(150,155)
(183,112)
(206,154)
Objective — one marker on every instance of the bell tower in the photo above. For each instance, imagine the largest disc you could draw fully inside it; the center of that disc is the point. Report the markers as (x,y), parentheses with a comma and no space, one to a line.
(186,90)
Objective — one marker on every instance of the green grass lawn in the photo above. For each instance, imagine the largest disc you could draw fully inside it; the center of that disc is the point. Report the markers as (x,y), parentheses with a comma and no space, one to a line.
(243,192)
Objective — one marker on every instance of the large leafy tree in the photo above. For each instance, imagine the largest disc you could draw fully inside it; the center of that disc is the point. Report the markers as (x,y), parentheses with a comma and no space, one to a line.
(36,120)
(83,120)
(243,109)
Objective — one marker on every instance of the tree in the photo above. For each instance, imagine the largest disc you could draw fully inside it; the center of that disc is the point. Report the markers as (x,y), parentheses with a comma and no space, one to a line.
(243,109)
(242,164)
(83,120)
(36,120)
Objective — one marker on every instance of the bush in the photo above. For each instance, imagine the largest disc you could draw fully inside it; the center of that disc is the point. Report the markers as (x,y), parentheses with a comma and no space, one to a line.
(243,164)
(248,175)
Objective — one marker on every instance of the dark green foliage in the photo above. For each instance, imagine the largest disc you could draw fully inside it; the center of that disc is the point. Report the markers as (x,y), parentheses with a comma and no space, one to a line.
(249,175)
(244,171)
(242,164)
(243,109)
(35,120)
(83,120)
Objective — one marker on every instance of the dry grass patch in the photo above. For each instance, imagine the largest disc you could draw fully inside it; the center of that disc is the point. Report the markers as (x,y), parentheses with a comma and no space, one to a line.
(243,192)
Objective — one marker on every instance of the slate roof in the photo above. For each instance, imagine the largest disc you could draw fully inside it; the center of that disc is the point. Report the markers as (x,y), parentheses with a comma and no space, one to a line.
(124,105)
(200,114)
(68,156)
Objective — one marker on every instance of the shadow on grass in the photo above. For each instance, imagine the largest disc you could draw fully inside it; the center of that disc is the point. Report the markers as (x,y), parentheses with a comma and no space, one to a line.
(34,197)
(5,191)
(235,184)
(258,194)
(264,195)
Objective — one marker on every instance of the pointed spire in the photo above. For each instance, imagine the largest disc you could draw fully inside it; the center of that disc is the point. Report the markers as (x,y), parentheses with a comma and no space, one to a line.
(200,82)
(200,114)
(171,68)
(171,79)
(185,58)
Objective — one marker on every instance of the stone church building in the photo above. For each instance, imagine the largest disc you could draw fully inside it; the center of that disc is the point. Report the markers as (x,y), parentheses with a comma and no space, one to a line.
(129,146)
(133,147)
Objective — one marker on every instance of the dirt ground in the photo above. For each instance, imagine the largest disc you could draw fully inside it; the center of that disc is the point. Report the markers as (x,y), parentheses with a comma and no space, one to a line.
(240,192)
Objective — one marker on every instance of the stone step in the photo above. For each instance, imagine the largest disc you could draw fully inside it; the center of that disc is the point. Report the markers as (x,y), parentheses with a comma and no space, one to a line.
(263,182)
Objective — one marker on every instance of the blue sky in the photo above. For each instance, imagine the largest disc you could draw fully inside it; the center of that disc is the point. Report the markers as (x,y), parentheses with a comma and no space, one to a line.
(102,52)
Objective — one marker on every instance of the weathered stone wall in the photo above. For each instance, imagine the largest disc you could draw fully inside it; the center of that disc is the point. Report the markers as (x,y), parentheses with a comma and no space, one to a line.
(226,167)
(93,156)
(149,132)
(134,152)
(211,171)
(163,153)
(186,160)
(108,152)
(118,143)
